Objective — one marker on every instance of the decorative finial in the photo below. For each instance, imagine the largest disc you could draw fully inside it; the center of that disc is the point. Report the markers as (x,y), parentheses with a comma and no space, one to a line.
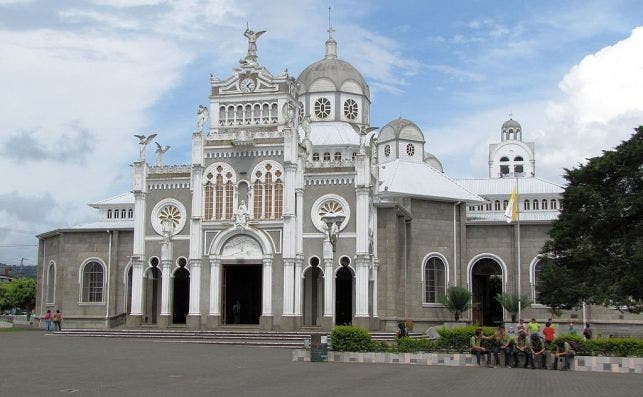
(330,25)
(510,116)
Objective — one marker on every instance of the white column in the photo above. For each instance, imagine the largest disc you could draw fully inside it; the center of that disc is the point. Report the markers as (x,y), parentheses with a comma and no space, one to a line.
(376,266)
(195,287)
(137,287)
(289,273)
(267,286)
(215,286)
(166,272)
(361,287)
(329,277)
(299,262)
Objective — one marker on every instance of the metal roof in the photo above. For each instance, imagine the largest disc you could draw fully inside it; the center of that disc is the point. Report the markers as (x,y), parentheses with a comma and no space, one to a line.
(504,186)
(120,224)
(499,216)
(121,199)
(410,178)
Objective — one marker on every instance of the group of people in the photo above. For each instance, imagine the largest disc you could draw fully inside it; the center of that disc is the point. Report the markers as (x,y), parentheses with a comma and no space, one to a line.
(56,318)
(529,343)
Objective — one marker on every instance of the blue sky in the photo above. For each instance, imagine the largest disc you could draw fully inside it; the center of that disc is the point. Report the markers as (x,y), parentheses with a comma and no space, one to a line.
(79,78)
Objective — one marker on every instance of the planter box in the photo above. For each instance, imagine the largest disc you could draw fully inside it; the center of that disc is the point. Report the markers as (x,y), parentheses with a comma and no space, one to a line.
(632,365)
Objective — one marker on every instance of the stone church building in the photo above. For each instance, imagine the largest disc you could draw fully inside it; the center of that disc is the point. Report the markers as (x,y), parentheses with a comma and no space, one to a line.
(295,213)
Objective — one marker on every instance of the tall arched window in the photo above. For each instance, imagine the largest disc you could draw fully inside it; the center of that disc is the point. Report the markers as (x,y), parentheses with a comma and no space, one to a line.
(218,189)
(497,205)
(267,179)
(553,204)
(535,202)
(109,214)
(51,283)
(537,268)
(526,205)
(544,204)
(116,212)
(130,213)
(92,282)
(505,204)
(434,279)
(123,214)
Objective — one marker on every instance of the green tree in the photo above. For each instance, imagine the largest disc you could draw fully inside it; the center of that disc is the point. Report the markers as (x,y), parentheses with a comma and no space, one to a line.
(20,293)
(456,300)
(595,249)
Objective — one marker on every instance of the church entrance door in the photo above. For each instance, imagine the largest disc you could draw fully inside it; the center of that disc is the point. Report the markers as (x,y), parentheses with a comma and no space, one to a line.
(181,295)
(241,289)
(152,297)
(313,295)
(344,296)
(486,276)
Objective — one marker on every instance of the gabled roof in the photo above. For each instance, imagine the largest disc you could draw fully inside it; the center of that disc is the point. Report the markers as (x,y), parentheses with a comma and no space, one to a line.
(504,186)
(121,199)
(333,133)
(409,178)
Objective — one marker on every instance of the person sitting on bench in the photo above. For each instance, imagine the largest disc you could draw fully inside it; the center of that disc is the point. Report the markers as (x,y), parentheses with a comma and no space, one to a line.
(563,349)
(476,346)
(522,347)
(537,349)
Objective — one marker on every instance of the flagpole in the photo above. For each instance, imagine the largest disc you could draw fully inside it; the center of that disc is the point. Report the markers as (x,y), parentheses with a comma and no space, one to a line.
(518,261)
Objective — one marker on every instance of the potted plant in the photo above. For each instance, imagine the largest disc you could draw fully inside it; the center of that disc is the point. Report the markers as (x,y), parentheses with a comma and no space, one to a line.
(513,303)
(457,300)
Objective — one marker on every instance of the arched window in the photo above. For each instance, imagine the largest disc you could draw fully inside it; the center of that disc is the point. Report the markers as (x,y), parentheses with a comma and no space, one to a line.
(267,179)
(535,202)
(434,279)
(218,191)
(338,156)
(268,193)
(326,156)
(553,204)
(526,205)
(544,204)
(51,283)
(505,204)
(518,158)
(92,282)
(503,159)
(109,214)
(130,213)
(123,213)
(518,169)
(488,206)
(537,268)
(315,156)
(116,212)
(497,205)
(279,198)
(258,198)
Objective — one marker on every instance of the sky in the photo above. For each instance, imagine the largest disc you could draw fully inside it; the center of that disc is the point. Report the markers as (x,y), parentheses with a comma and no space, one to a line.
(79,78)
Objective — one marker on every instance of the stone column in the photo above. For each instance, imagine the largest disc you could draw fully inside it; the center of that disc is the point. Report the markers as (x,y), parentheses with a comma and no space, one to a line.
(266,312)
(376,266)
(329,278)
(137,287)
(361,286)
(166,274)
(138,249)
(299,264)
(194,313)
(215,291)
(289,273)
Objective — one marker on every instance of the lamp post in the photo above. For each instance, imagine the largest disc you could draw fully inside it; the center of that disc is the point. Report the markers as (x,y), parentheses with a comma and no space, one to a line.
(333,221)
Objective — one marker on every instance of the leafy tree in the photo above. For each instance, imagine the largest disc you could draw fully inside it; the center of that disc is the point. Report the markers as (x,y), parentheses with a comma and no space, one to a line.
(19,293)
(595,251)
(456,300)
(511,303)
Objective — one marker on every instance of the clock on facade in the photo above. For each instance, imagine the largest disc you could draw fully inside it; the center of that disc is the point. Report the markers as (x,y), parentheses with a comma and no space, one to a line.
(247,85)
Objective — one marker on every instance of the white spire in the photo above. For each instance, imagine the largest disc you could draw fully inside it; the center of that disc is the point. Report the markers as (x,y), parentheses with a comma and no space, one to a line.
(331,44)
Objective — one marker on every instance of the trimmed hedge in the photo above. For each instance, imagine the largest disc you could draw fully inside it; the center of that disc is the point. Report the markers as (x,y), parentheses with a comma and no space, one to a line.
(614,347)
(407,344)
(458,339)
(346,338)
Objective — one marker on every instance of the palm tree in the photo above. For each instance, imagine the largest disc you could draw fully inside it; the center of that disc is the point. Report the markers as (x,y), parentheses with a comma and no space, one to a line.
(456,300)
(512,302)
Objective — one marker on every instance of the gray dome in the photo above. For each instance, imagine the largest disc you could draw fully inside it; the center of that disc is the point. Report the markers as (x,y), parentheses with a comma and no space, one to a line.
(511,123)
(401,129)
(336,70)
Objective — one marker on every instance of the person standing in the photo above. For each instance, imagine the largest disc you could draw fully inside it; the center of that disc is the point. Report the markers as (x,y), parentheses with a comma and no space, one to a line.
(58,318)
(236,312)
(47,318)
(533,327)
(548,332)
(587,332)
(522,326)
(571,330)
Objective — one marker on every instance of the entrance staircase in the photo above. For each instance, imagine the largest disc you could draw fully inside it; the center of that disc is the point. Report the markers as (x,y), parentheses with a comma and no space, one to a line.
(227,336)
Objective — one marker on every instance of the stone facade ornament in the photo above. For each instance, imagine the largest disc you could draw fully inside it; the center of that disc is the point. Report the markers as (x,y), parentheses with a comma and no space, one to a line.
(362,131)
(250,59)
(288,113)
(241,216)
(143,141)
(202,115)
(308,145)
(160,151)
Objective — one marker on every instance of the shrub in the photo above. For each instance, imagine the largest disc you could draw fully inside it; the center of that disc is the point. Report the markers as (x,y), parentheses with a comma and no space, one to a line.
(380,346)
(457,339)
(347,338)
(456,300)
(513,303)
(615,347)
(407,344)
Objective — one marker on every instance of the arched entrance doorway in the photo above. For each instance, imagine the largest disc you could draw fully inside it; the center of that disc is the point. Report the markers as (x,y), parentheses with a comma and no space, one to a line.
(313,293)
(152,291)
(344,295)
(180,293)
(486,283)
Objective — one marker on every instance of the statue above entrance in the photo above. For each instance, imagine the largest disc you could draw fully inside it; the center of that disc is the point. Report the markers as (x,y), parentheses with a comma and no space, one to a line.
(241,216)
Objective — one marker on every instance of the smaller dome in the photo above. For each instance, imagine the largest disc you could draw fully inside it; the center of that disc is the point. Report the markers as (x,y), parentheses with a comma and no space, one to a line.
(401,129)
(433,161)
(511,123)
(335,70)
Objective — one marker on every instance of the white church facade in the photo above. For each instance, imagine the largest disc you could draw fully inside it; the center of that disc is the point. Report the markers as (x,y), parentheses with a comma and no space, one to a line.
(295,213)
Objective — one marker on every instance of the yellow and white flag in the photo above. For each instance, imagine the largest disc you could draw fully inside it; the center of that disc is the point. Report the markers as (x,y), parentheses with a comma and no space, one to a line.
(511,213)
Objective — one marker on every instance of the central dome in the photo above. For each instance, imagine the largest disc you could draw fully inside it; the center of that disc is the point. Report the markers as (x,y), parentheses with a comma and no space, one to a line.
(338,71)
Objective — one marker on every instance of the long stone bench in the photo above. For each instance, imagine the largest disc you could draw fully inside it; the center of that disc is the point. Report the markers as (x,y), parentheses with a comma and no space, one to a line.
(580,363)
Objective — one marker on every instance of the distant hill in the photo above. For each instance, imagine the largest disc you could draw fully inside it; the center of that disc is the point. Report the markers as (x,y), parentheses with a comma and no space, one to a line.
(18,271)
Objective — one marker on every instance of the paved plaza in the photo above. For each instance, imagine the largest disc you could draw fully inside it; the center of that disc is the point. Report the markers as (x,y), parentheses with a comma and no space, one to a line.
(37,363)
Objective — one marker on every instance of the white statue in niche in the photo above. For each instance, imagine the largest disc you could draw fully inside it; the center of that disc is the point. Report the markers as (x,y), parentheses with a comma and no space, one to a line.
(241,216)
